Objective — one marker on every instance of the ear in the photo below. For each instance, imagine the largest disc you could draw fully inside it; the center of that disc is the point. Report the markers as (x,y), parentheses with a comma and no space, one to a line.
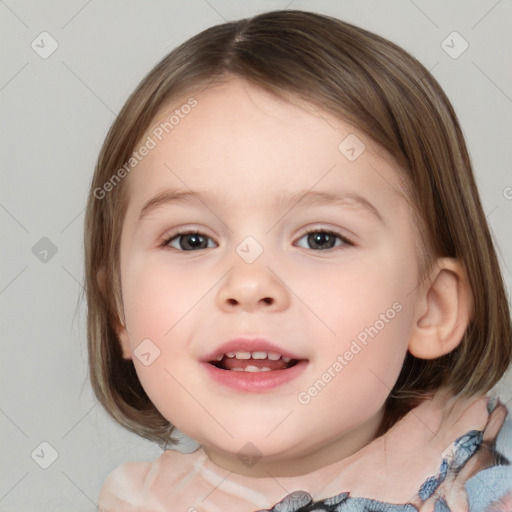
(119,326)
(442,312)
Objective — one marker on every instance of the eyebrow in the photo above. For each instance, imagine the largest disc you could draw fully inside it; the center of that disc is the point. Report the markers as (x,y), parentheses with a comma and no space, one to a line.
(301,199)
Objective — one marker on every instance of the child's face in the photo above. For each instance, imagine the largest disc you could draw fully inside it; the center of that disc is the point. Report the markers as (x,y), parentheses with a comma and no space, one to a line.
(345,310)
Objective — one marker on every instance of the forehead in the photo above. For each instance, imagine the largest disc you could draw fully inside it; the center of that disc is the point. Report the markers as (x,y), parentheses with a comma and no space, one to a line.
(242,140)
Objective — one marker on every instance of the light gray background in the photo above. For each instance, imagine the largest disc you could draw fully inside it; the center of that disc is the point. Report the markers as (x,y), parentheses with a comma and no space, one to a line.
(55,114)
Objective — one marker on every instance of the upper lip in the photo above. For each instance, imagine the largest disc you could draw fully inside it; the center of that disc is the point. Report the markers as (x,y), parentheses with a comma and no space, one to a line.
(246,344)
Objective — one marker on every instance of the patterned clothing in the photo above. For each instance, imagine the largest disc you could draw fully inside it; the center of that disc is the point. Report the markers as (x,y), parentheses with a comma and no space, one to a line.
(447,454)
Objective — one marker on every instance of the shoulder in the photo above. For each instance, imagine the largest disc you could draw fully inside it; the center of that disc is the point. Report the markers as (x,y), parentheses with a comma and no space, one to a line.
(129,486)
(121,489)
(491,488)
(504,437)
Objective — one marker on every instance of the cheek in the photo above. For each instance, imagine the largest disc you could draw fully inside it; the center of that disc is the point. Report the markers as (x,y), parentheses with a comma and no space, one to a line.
(367,307)
(350,297)
(157,296)
(160,303)
(357,369)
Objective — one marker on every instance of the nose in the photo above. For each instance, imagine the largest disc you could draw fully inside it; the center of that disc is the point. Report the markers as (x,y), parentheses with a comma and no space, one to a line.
(252,287)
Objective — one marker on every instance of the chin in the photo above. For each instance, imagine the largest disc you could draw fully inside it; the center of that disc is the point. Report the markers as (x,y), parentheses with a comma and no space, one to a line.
(256,445)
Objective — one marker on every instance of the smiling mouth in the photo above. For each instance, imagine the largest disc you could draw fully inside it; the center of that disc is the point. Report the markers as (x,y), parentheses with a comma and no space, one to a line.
(253,362)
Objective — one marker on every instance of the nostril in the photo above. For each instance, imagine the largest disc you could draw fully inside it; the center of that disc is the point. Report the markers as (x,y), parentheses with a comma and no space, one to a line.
(266,300)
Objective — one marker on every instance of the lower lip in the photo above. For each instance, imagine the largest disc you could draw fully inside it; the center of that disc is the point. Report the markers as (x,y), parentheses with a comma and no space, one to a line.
(254,381)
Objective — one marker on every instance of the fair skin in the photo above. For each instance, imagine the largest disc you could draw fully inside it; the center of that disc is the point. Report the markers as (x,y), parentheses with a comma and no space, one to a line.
(250,149)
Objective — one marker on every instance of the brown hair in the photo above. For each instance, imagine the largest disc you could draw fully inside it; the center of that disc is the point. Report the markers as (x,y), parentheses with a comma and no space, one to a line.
(379,89)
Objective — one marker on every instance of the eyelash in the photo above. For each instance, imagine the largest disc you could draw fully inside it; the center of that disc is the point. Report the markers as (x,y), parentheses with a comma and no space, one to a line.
(186,231)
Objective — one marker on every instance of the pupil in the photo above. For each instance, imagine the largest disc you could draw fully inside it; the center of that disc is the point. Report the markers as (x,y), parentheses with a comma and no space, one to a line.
(321,240)
(193,241)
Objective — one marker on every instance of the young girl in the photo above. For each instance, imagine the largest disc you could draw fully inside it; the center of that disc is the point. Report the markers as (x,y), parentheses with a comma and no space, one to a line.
(287,260)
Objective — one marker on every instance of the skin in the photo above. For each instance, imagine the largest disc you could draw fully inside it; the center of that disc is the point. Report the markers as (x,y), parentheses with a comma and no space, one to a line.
(250,149)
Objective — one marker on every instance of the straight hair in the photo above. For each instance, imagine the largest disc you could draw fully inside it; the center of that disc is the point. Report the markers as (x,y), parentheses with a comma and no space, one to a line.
(366,81)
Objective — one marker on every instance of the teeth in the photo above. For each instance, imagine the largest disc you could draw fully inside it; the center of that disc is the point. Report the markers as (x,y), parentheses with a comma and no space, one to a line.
(251,369)
(273,356)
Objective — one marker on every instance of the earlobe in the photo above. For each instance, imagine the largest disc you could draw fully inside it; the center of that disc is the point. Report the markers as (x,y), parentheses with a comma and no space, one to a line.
(119,326)
(443,311)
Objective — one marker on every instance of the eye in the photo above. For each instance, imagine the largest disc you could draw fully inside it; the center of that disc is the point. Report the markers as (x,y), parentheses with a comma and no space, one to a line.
(188,240)
(192,240)
(319,239)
